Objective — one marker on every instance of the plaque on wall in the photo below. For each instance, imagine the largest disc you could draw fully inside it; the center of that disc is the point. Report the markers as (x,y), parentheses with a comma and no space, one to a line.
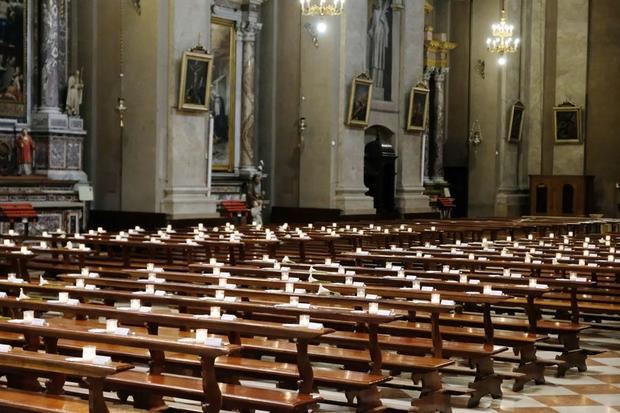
(13,31)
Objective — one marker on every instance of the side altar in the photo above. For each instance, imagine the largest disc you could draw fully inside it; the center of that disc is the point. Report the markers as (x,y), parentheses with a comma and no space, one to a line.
(41,131)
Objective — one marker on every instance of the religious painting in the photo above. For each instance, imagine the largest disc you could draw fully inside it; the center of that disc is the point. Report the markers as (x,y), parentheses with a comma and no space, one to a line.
(567,123)
(13,30)
(418,108)
(359,101)
(223,88)
(515,127)
(196,69)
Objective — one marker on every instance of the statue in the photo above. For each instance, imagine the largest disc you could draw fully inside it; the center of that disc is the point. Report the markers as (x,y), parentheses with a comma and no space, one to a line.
(25,153)
(75,87)
(254,199)
(378,36)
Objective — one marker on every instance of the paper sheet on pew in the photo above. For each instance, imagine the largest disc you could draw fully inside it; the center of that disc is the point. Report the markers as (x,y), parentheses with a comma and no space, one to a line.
(5,348)
(121,331)
(311,326)
(90,275)
(89,287)
(211,341)
(223,317)
(443,302)
(159,293)
(33,322)
(142,309)
(154,269)
(305,306)
(70,301)
(99,360)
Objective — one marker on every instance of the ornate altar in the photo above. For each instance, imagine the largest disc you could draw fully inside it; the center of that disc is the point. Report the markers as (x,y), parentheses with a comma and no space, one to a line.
(40,94)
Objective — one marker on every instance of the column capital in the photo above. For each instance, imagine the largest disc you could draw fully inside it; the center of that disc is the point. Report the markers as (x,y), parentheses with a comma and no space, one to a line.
(249,29)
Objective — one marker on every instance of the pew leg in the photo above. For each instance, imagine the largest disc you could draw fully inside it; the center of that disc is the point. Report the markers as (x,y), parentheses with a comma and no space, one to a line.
(96,402)
(485,383)
(432,397)
(148,401)
(572,354)
(369,401)
(529,366)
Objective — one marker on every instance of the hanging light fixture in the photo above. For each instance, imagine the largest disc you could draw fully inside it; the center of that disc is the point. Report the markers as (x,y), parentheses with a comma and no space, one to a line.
(502,42)
(322,7)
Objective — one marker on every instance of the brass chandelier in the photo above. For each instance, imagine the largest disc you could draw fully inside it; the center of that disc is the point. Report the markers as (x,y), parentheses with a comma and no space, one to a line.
(322,7)
(502,42)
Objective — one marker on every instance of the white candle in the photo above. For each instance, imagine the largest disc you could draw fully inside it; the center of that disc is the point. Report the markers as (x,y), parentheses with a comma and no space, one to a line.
(294,300)
(435,298)
(463,279)
(216,271)
(219,294)
(28,316)
(284,275)
(63,297)
(201,335)
(348,280)
(373,308)
(401,273)
(150,266)
(532,282)
(610,258)
(212,261)
(388,265)
(472,257)
(573,276)
(215,312)
(23,250)
(89,353)
(43,244)
(486,289)
(509,238)
(134,304)
(458,242)
(506,272)
(289,287)
(445,268)
(551,235)
(570,233)
(79,283)
(111,325)
(530,237)
(582,262)
(304,320)
(222,282)
(150,289)
(361,292)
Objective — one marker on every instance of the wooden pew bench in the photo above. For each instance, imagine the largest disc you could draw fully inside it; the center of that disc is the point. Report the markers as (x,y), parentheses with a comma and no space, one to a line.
(22,369)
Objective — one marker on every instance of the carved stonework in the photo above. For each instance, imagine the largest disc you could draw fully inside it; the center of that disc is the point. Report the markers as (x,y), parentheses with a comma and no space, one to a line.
(59,152)
(49,54)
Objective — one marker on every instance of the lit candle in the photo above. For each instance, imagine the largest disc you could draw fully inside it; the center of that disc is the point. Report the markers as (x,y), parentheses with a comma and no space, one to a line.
(28,316)
(373,308)
(201,335)
(111,325)
(89,353)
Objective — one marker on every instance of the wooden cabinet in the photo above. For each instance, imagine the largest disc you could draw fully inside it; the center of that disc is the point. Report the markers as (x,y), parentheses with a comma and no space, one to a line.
(560,195)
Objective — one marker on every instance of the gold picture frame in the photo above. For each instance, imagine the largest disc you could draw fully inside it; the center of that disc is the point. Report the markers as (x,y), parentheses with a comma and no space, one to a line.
(359,101)
(515,127)
(195,84)
(567,127)
(417,114)
(223,92)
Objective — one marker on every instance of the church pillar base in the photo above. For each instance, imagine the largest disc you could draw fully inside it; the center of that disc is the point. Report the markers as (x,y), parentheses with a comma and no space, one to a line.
(189,203)
(513,203)
(352,201)
(412,200)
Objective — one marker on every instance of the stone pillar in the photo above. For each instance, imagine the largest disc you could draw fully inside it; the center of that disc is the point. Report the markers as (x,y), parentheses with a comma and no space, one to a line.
(49,53)
(249,29)
(426,135)
(439,115)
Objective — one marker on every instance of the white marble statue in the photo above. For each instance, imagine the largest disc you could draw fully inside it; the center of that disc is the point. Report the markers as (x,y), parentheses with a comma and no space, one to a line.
(378,40)
(75,87)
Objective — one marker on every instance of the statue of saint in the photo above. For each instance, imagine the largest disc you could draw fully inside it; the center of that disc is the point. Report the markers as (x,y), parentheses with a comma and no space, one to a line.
(75,87)
(254,199)
(378,41)
(25,153)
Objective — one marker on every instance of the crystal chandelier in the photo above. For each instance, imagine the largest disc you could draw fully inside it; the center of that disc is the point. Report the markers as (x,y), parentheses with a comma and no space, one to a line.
(322,7)
(502,41)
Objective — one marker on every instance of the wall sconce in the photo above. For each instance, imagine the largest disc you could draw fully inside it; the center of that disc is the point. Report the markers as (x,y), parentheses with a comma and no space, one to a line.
(480,67)
(475,134)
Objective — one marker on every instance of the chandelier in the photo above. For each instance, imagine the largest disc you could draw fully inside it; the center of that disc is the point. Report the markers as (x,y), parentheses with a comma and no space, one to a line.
(502,41)
(322,7)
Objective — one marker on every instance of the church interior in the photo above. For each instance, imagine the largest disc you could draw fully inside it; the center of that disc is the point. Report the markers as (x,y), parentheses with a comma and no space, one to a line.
(296,206)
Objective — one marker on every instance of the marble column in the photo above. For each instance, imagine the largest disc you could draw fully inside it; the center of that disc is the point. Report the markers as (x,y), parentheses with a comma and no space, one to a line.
(439,114)
(49,52)
(249,30)
(426,135)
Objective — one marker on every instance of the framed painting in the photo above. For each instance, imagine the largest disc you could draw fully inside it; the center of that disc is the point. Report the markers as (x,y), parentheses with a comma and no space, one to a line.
(567,123)
(13,60)
(223,92)
(515,127)
(359,101)
(417,115)
(195,86)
